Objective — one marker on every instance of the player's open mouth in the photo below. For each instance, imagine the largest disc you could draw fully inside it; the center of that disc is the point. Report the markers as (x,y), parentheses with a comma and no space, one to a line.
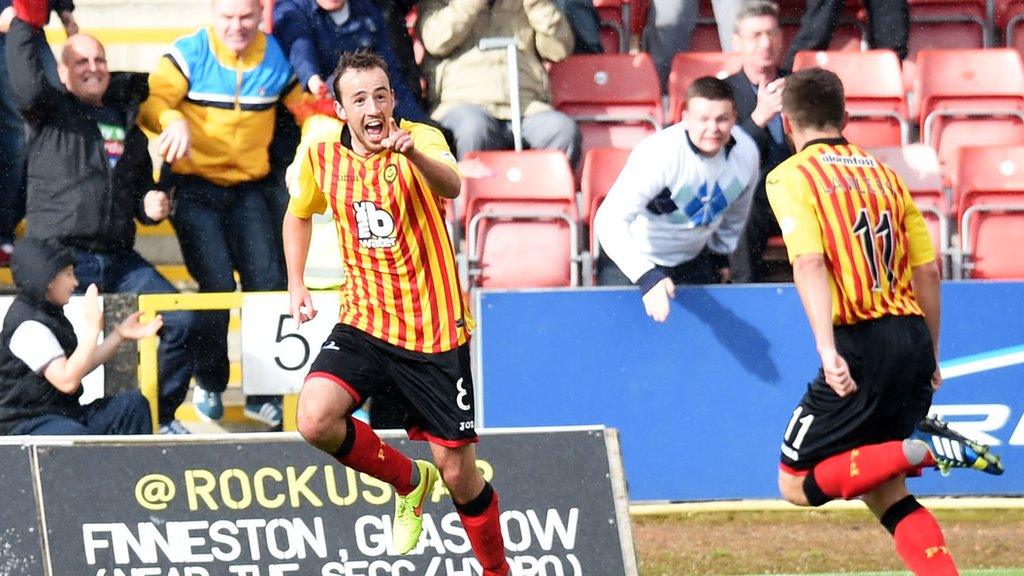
(374,128)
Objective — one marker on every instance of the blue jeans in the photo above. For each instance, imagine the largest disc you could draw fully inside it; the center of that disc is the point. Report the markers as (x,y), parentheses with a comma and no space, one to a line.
(12,143)
(125,413)
(223,229)
(127,272)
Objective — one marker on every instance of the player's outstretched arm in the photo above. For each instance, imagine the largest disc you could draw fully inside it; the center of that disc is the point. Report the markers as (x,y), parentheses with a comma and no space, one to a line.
(811,277)
(296,233)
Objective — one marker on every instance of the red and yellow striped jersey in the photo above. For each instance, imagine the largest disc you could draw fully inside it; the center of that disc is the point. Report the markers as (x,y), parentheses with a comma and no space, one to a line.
(401,282)
(835,199)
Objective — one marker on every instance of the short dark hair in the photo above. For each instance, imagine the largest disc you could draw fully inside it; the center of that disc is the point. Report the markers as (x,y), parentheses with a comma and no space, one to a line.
(358,60)
(753,9)
(710,88)
(814,98)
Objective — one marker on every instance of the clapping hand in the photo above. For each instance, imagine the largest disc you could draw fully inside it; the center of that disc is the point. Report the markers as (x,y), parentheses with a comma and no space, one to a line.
(132,329)
(91,308)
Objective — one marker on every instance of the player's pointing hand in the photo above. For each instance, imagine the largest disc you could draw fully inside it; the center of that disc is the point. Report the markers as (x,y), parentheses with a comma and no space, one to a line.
(398,140)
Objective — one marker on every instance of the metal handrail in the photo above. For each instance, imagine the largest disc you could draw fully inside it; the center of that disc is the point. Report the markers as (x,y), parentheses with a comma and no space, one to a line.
(618,118)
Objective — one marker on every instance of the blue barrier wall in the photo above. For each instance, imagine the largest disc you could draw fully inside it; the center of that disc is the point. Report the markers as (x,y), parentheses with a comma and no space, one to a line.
(701,401)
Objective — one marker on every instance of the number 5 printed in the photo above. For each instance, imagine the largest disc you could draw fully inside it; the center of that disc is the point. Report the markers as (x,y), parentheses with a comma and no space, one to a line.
(281,337)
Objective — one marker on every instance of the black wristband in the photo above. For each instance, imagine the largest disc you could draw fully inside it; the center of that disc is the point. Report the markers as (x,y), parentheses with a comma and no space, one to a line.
(650,278)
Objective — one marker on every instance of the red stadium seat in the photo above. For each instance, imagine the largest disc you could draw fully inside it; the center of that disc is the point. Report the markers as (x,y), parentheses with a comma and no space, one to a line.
(918,165)
(521,220)
(981,89)
(688,66)
(991,211)
(874,94)
(615,98)
(601,168)
(944,25)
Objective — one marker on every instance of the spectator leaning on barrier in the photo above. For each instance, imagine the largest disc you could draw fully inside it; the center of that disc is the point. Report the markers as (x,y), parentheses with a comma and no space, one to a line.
(12,129)
(90,176)
(211,100)
(758,89)
(469,86)
(42,362)
(677,209)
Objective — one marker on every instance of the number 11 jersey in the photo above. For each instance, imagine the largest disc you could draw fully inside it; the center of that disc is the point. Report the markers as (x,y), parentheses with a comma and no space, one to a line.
(835,199)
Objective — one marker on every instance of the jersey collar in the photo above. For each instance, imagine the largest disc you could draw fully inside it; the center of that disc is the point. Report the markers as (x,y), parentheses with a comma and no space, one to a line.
(840,141)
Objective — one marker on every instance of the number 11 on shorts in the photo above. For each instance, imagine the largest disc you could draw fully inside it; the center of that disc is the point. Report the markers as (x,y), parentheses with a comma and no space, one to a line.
(805,424)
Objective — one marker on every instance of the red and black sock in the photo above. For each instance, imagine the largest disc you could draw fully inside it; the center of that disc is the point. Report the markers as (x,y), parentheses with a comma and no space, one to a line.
(364,451)
(850,474)
(481,519)
(918,538)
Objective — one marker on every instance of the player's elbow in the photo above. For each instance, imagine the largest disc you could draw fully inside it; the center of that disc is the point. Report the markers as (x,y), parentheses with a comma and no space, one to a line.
(808,264)
(450,185)
(926,273)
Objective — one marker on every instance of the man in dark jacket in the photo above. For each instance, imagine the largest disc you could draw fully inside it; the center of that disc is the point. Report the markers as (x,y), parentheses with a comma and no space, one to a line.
(12,132)
(42,363)
(758,89)
(90,176)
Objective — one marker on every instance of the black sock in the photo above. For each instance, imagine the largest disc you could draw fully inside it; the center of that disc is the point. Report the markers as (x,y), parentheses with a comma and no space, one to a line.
(478,505)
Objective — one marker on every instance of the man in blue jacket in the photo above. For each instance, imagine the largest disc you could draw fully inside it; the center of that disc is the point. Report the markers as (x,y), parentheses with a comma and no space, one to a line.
(314,33)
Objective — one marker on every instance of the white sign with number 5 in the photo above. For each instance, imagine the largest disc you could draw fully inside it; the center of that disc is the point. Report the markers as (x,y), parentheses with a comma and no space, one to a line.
(276,354)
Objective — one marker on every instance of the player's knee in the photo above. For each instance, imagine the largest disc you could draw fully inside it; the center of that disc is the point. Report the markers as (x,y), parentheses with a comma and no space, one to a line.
(792,489)
(317,427)
(458,475)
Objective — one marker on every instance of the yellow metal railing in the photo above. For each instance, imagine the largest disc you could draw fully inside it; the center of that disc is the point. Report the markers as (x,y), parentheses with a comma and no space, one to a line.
(152,304)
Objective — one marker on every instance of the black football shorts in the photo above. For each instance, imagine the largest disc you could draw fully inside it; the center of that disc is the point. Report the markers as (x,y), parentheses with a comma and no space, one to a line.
(892,362)
(435,389)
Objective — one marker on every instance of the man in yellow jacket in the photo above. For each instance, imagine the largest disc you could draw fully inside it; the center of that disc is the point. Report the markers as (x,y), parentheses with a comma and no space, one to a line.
(211,101)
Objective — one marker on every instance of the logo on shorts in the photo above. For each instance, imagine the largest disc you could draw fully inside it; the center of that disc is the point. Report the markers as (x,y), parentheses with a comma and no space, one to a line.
(390,173)
(330,345)
(375,227)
